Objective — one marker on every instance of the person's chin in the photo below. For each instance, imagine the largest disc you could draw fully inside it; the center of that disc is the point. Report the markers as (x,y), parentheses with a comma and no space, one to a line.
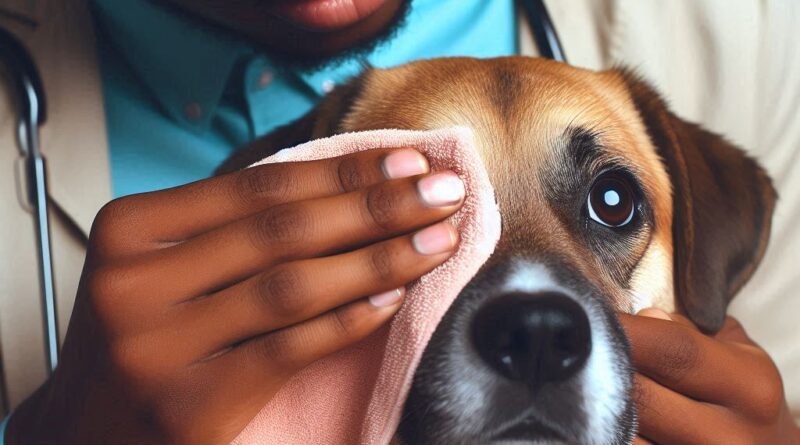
(304,35)
(312,41)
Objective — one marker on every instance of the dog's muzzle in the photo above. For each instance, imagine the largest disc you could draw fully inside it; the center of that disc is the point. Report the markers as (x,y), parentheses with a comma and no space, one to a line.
(522,357)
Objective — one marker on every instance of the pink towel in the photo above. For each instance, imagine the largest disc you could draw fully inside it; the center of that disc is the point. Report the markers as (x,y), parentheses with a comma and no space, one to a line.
(356,396)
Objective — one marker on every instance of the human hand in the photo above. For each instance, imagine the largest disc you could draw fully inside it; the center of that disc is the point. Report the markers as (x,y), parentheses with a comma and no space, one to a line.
(696,389)
(198,303)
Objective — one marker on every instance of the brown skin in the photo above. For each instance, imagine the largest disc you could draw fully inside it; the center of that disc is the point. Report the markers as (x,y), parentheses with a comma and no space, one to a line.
(147,361)
(697,389)
(198,303)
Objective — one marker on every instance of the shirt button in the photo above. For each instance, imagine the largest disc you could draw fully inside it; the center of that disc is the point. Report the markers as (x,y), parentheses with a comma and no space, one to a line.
(193,111)
(328,85)
(264,79)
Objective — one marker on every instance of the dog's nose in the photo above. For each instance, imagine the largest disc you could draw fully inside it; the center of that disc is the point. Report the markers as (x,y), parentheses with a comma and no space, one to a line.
(533,338)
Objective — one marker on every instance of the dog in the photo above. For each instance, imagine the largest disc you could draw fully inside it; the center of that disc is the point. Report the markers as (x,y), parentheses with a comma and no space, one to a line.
(610,202)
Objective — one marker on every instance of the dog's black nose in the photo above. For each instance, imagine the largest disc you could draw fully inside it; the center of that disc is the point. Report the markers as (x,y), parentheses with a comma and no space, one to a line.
(534,338)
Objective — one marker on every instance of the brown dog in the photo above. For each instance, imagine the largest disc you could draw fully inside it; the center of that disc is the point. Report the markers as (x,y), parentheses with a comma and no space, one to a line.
(609,202)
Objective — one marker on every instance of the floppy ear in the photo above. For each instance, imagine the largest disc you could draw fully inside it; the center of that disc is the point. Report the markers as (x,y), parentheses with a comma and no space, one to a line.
(722,209)
(322,121)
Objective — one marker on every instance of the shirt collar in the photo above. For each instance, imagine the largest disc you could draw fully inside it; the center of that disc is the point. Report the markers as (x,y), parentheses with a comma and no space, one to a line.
(183,64)
(187,66)
(322,81)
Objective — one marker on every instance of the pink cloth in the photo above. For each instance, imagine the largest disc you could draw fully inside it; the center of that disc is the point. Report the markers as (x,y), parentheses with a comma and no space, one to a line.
(356,396)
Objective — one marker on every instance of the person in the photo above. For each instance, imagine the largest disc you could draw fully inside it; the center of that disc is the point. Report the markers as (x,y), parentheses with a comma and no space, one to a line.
(146,97)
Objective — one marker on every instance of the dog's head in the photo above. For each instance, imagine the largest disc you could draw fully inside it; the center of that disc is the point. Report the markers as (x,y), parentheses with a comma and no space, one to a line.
(610,203)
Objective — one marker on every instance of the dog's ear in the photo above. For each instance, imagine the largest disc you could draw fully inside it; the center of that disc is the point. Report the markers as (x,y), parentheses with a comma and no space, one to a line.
(722,209)
(322,121)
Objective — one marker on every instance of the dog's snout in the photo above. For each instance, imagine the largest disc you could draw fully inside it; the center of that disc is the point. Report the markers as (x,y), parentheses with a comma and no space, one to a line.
(533,338)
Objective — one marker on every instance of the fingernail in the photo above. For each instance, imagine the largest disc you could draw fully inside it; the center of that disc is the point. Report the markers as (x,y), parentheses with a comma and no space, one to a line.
(404,163)
(435,239)
(387,298)
(654,313)
(441,189)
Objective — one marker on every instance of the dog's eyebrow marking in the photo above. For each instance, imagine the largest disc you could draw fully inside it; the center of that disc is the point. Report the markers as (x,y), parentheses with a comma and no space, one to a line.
(583,147)
(586,153)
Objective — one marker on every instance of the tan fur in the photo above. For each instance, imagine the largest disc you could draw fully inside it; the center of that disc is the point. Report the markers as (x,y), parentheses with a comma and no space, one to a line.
(514,142)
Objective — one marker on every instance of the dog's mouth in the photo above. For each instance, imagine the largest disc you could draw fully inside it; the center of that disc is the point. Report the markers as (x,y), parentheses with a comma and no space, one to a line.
(528,429)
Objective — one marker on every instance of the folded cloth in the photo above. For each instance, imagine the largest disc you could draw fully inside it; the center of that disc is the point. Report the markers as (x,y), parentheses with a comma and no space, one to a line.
(356,396)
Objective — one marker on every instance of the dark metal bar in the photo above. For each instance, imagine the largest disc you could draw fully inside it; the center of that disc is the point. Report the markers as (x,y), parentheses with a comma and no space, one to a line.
(543,30)
(27,84)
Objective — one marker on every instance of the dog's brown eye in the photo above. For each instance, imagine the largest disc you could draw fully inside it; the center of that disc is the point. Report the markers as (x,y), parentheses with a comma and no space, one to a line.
(611,201)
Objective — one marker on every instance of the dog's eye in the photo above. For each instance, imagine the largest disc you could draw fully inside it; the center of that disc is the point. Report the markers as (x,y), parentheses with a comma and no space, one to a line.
(611,200)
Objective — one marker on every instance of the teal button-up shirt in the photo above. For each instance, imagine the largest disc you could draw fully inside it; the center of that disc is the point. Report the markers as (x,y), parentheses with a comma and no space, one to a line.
(180,98)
